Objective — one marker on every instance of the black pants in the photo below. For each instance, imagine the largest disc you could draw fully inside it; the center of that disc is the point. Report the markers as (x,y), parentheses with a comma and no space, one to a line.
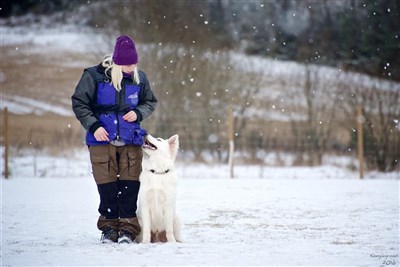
(118,199)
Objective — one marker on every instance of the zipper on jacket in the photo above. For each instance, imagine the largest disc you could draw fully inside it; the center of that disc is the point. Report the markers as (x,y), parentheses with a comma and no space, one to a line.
(119,101)
(117,116)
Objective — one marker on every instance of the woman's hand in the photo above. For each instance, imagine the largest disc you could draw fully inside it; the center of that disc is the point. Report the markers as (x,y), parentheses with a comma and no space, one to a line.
(130,116)
(101,135)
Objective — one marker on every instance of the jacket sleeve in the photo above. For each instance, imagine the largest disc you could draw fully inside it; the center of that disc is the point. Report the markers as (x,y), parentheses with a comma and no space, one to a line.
(147,100)
(82,100)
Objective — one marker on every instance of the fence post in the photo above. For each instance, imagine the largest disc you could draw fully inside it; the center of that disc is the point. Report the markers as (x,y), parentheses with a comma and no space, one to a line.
(5,136)
(230,139)
(360,141)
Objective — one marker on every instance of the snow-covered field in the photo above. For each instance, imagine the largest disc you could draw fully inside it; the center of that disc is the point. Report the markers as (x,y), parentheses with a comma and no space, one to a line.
(269,216)
(265,216)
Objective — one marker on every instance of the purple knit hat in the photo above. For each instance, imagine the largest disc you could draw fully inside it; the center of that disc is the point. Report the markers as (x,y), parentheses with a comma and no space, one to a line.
(125,51)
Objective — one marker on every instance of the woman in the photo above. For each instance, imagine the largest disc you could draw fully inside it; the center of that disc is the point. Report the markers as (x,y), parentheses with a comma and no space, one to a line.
(110,101)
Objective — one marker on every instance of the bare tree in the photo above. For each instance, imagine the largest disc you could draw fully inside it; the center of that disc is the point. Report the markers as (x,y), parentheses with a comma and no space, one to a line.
(314,107)
(381,126)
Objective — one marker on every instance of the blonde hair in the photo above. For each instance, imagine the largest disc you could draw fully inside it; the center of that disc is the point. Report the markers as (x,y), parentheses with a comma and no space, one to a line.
(116,72)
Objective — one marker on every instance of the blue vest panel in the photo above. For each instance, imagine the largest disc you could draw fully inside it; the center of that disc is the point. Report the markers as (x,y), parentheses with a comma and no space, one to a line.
(123,101)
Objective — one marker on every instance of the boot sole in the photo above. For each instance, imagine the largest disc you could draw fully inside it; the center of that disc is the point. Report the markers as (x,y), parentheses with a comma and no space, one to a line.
(124,240)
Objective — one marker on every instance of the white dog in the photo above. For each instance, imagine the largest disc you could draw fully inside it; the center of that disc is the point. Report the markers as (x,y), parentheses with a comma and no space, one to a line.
(157,195)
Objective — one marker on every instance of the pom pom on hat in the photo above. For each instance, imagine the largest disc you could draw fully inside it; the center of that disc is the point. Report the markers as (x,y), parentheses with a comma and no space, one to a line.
(125,51)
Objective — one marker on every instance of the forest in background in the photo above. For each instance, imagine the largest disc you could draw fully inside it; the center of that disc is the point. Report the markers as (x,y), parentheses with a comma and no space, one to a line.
(358,35)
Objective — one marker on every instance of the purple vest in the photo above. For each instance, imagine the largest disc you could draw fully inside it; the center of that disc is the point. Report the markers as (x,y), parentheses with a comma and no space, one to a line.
(110,106)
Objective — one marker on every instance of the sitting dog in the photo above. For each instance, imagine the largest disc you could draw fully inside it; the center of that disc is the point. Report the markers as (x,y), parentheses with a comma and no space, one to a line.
(157,193)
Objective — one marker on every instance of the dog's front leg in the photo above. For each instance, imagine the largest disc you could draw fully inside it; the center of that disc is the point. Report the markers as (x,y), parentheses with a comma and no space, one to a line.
(177,229)
(169,226)
(146,221)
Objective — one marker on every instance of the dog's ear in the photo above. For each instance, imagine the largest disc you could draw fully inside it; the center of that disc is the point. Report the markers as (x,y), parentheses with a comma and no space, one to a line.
(173,142)
(173,139)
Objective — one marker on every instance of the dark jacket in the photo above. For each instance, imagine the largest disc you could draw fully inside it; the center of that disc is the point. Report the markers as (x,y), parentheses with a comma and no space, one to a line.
(97,103)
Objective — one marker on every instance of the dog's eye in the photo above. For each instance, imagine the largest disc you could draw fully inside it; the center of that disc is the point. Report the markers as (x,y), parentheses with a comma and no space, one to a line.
(159,139)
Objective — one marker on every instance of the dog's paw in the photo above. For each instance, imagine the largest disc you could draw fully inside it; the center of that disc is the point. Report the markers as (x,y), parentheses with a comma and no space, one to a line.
(171,239)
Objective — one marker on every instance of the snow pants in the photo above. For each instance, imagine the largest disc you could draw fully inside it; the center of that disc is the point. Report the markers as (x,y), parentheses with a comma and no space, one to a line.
(116,171)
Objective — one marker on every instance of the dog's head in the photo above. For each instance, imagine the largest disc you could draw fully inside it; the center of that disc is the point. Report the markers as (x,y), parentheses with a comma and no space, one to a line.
(167,148)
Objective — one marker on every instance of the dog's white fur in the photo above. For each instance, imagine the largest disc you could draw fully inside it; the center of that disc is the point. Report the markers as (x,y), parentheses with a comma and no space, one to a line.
(156,210)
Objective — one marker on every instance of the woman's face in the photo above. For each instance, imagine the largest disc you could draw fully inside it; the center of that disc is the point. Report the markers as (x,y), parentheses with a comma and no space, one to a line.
(128,68)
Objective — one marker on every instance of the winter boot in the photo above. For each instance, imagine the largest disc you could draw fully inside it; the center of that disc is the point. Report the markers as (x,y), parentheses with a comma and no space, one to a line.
(109,236)
(125,237)
(109,229)
(129,229)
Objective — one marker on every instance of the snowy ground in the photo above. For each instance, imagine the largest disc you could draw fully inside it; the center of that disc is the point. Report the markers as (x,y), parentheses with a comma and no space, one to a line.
(290,216)
(265,216)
